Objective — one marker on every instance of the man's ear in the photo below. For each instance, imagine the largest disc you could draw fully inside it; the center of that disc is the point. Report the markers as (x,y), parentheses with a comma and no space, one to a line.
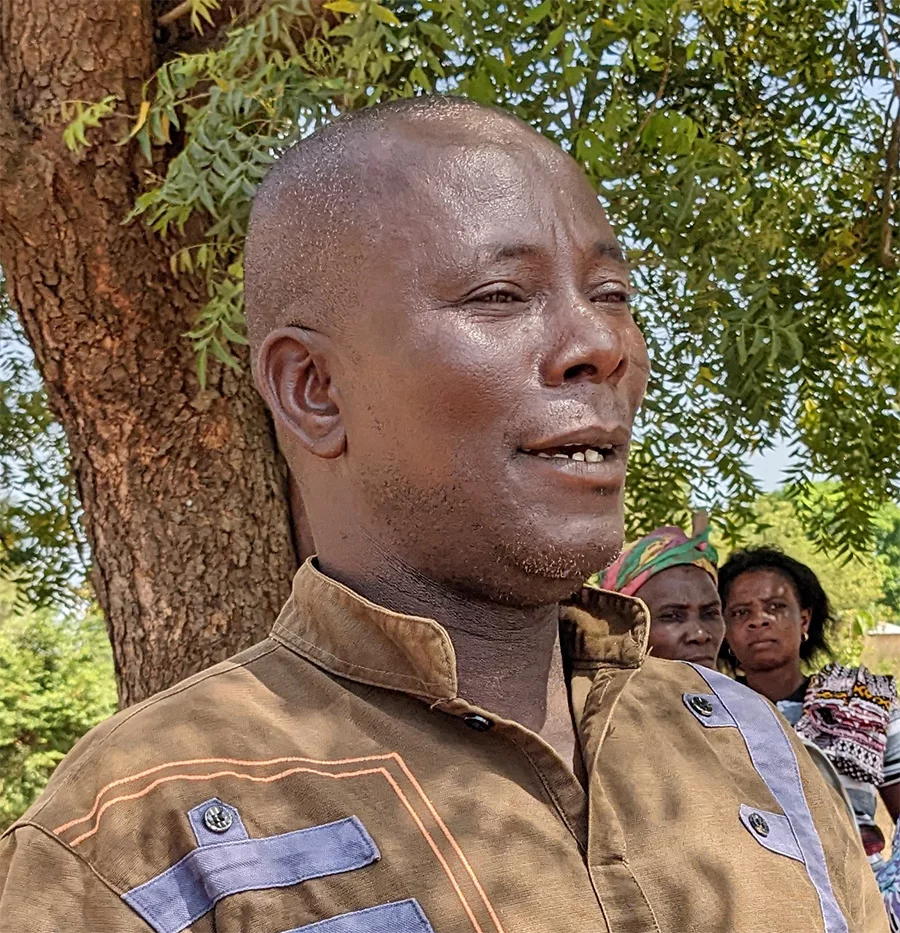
(293,374)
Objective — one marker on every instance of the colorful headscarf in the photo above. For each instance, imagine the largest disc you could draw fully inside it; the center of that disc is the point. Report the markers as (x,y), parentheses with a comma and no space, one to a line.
(663,548)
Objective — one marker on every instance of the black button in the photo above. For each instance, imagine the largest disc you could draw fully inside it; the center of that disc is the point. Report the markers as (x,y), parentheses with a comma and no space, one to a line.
(759,825)
(478,723)
(701,706)
(217,819)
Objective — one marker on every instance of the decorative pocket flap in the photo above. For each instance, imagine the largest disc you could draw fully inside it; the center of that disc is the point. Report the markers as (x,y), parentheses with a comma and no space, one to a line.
(772,831)
(172,901)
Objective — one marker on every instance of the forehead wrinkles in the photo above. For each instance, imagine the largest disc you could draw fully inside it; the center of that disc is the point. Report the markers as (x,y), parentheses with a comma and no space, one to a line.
(426,206)
(487,195)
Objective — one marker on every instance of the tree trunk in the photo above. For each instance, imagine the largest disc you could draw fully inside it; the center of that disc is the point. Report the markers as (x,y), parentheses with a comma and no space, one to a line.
(185,496)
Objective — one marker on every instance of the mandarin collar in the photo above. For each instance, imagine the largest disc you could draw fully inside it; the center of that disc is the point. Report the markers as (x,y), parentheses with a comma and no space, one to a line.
(349,636)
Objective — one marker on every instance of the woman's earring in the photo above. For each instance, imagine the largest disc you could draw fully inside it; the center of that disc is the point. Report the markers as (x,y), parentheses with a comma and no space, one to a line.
(805,636)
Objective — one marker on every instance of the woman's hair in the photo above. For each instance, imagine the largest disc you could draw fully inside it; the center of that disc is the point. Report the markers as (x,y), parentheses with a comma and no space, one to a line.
(806,585)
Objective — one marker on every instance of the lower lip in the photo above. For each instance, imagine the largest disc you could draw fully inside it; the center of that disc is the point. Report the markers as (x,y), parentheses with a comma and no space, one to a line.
(607,474)
(763,644)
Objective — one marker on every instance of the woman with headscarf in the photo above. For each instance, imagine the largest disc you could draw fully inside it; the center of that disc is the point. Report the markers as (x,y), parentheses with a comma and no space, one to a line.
(675,576)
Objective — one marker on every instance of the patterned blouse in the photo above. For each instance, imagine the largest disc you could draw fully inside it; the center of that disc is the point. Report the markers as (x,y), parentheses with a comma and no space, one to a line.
(862,794)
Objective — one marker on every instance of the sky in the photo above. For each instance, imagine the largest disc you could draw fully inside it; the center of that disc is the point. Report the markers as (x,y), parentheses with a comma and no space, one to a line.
(768,467)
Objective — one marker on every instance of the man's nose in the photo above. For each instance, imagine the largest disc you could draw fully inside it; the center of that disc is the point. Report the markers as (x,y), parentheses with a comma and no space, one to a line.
(590,345)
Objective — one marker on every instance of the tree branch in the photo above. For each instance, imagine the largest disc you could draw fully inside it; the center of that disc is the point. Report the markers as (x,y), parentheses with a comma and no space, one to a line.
(892,155)
(175,13)
(650,110)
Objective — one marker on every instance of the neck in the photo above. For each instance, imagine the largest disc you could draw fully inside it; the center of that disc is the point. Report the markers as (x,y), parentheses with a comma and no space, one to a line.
(504,654)
(777,684)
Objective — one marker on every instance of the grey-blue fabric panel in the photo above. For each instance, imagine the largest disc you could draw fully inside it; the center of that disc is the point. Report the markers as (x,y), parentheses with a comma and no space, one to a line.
(779,837)
(175,899)
(773,758)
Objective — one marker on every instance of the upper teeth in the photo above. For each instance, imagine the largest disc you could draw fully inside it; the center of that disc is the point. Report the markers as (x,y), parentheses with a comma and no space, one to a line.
(591,454)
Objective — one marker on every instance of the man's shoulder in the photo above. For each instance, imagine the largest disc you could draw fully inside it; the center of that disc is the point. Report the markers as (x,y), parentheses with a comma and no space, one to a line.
(178,726)
(674,676)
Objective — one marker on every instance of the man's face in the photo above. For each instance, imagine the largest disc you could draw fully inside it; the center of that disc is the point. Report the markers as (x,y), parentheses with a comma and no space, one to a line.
(492,372)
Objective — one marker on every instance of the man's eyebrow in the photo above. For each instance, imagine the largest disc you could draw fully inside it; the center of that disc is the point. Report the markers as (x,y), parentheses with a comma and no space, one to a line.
(497,252)
(601,249)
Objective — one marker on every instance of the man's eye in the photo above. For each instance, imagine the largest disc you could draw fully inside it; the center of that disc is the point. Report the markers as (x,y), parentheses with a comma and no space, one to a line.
(615,297)
(498,296)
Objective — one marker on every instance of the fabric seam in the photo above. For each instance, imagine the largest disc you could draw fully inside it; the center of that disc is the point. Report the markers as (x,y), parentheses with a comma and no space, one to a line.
(173,691)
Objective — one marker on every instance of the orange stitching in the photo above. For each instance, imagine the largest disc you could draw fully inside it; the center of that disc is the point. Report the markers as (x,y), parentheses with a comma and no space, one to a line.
(283,774)
(208,777)
(210,761)
(456,847)
(476,925)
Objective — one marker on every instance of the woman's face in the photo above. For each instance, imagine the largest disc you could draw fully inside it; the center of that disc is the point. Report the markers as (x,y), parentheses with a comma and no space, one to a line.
(685,615)
(764,621)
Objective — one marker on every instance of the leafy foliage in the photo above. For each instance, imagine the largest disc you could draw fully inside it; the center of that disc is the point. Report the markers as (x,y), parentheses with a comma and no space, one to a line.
(81,116)
(56,681)
(42,544)
(746,150)
(887,546)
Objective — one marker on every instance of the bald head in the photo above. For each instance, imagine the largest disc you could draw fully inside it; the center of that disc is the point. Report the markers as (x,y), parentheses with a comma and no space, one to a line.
(437,303)
(331,195)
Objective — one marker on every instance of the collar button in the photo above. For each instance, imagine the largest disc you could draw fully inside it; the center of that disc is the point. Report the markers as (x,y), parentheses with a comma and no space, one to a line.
(478,723)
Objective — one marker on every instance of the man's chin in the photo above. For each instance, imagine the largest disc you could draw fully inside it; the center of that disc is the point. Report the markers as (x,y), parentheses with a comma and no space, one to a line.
(551,571)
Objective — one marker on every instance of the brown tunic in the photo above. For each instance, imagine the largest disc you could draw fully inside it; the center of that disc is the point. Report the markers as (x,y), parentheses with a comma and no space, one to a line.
(332,776)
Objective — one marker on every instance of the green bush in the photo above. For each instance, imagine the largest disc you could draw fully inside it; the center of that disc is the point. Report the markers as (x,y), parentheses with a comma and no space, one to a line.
(56,681)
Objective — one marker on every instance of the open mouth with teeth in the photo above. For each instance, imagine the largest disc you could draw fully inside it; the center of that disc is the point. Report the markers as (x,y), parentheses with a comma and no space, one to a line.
(577,452)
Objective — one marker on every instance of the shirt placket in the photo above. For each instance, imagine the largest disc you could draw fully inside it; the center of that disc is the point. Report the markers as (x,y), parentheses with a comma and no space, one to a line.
(576,808)
(624,903)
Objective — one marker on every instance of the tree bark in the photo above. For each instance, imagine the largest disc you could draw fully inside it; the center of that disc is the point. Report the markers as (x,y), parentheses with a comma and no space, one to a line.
(185,496)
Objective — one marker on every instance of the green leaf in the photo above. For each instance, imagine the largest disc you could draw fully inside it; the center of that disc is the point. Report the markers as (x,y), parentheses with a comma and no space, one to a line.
(383,14)
(202,361)
(556,37)
(351,7)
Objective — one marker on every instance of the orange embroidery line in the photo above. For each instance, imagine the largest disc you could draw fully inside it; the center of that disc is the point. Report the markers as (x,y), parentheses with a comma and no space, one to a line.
(450,838)
(435,849)
(283,774)
(211,761)
(205,777)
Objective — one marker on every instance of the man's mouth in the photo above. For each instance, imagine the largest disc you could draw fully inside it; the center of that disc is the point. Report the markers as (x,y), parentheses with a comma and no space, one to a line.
(578,452)
(586,444)
(591,457)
